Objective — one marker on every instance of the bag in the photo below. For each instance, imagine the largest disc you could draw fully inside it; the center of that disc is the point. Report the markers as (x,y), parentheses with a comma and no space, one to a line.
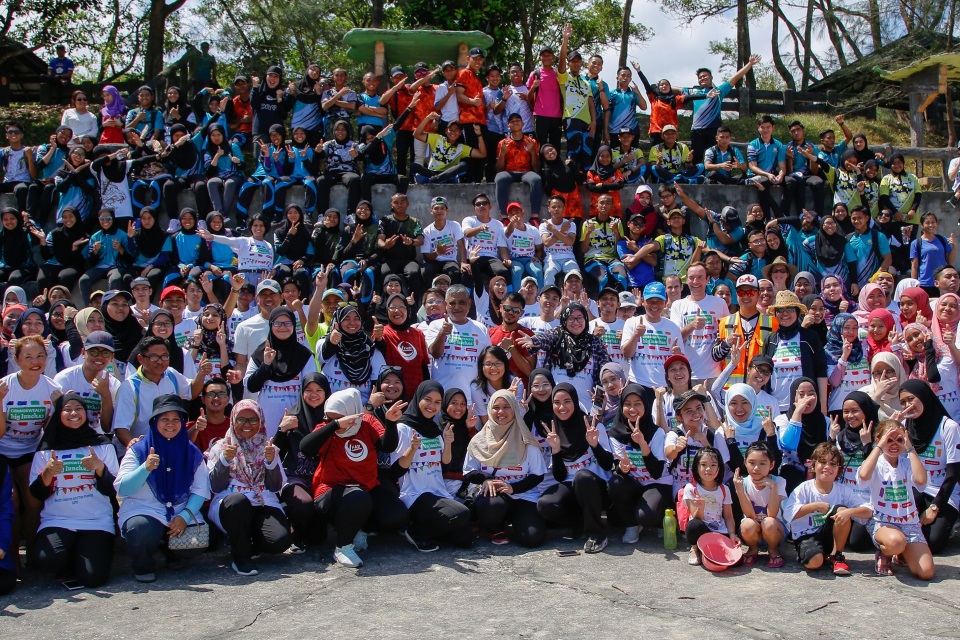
(195,536)
(683,514)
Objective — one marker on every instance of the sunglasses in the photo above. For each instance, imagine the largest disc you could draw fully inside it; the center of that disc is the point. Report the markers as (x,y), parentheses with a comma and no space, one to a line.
(14,132)
(747,293)
(482,203)
(510,309)
(347,304)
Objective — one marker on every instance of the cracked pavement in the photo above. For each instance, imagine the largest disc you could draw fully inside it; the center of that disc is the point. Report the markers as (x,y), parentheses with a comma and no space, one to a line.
(493,592)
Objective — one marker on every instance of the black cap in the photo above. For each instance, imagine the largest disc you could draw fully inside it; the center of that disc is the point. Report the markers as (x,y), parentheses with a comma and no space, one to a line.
(545,49)
(448,63)
(113,293)
(624,130)
(610,290)
(274,69)
(680,401)
(168,402)
(397,70)
(513,115)
(241,78)
(421,66)
(762,360)
(551,287)
(573,55)
(477,51)
(494,67)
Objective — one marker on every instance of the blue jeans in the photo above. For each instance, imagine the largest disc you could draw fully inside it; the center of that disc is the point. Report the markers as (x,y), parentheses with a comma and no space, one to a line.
(552,268)
(525,266)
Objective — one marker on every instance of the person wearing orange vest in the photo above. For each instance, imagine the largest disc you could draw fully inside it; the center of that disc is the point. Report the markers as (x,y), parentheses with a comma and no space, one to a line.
(748,327)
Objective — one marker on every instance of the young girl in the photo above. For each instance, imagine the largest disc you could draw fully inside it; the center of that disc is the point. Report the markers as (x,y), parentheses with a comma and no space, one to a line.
(820,512)
(895,525)
(105,255)
(254,255)
(800,430)
(708,502)
(456,412)
(604,177)
(760,495)
(920,356)
(833,292)
(223,162)
(538,416)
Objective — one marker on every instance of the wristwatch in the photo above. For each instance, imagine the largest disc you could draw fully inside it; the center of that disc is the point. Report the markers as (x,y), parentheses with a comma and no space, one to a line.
(369,407)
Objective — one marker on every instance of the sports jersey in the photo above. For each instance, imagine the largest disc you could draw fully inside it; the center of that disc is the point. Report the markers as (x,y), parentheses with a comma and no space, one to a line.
(577,95)
(444,155)
(706,110)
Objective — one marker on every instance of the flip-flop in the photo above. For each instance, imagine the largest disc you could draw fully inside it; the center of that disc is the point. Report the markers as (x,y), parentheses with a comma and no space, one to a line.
(775,562)
(750,559)
(882,564)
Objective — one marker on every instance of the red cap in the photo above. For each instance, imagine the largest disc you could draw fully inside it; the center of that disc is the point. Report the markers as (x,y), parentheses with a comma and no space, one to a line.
(677,357)
(514,205)
(172,290)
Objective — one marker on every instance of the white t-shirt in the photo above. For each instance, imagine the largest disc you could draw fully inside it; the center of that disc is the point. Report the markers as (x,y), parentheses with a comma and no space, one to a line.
(806,493)
(250,334)
(275,397)
(338,381)
(74,502)
(760,498)
(50,369)
(891,493)
(143,315)
(184,329)
(588,460)
(944,449)
(450,110)
(73,379)
(698,345)
(488,241)
(538,326)
(611,341)
(559,252)
(239,316)
(26,411)
(787,367)
(639,471)
(457,366)
(856,375)
(443,242)
(134,403)
(531,465)
(252,255)
(653,349)
(713,502)
(682,471)
(424,474)
(523,243)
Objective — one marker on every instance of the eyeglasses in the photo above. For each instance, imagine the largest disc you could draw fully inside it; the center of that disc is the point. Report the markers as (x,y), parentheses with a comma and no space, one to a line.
(282,324)
(541,387)
(763,371)
(246,422)
(779,271)
(17,132)
(576,319)
(155,358)
(105,218)
(493,365)
(99,353)
(56,315)
(395,309)
(216,394)
(510,309)
(482,203)
(785,310)
(163,325)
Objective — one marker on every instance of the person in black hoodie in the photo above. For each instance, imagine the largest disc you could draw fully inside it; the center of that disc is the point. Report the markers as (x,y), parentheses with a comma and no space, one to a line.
(177,110)
(269,103)
(62,252)
(291,242)
(16,250)
(325,239)
(184,160)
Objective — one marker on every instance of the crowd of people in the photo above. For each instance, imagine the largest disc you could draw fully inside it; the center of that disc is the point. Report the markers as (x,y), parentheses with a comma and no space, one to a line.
(262,379)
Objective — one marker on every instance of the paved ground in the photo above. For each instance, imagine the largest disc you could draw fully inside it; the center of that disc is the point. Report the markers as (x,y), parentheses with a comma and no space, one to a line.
(493,592)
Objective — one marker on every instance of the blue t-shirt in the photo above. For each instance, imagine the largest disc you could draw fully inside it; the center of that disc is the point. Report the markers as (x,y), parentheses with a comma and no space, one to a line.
(832,157)
(60,66)
(623,109)
(706,111)
(714,155)
(643,273)
(713,242)
(373,102)
(860,250)
(766,154)
(932,254)
(800,162)
(798,251)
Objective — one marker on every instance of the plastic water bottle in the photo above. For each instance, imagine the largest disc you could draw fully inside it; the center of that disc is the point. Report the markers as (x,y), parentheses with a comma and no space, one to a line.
(670,529)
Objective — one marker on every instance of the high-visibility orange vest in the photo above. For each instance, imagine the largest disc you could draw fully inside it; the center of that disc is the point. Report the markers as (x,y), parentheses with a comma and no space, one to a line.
(731,326)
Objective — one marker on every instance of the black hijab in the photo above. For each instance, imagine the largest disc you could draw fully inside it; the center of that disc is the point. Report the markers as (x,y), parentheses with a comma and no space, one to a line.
(830,247)
(309,417)
(621,429)
(182,104)
(413,418)
(923,429)
(176,353)
(461,432)
(819,328)
(291,356)
(849,438)
(210,147)
(150,241)
(113,169)
(59,437)
(295,246)
(573,431)
(381,411)
(605,172)
(572,352)
(58,335)
(539,414)
(12,242)
(355,351)
(773,254)
(126,333)
(557,175)
(813,430)
(866,154)
(306,84)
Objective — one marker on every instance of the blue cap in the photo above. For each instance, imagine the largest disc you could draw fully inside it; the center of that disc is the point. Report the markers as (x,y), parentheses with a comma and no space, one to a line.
(655,290)
(334,292)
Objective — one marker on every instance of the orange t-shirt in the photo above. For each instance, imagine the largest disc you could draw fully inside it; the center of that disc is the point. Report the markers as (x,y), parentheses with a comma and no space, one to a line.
(398,103)
(517,159)
(427,98)
(470,114)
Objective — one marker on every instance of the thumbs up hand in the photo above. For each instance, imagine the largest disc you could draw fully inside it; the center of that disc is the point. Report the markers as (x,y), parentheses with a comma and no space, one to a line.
(54,466)
(377,334)
(229,450)
(270,452)
(153,461)
(201,422)
(92,462)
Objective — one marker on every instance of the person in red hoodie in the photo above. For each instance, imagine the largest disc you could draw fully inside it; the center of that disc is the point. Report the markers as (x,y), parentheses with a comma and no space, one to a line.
(402,345)
(346,489)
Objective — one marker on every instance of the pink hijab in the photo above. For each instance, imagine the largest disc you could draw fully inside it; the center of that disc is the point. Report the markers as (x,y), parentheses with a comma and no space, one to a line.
(863,310)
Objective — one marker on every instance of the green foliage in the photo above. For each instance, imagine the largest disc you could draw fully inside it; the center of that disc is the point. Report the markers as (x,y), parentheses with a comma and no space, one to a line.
(39,122)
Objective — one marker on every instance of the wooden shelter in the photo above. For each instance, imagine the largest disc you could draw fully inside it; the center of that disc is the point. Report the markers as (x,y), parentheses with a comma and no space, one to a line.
(387,47)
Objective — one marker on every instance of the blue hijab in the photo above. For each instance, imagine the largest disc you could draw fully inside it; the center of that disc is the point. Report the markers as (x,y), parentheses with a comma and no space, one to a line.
(18,329)
(748,431)
(179,459)
(834,346)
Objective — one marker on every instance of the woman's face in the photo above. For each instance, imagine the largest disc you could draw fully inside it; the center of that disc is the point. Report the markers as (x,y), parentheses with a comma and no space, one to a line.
(246,424)
(501,411)
(293,214)
(457,408)
(32,359)
(69,219)
(169,425)
(392,287)
(498,285)
(576,323)
(147,220)
(678,374)
(541,388)
(779,276)
(73,414)
(740,408)
(10,321)
(759,376)
(283,327)
(550,154)
(915,340)
(563,405)
(215,224)
(829,226)
(340,133)
(391,386)
(105,220)
(859,143)
(163,327)
(210,319)
(331,220)
(95,322)
(9,221)
(216,137)
(853,414)
(435,305)
(831,289)
(118,308)
(173,95)
(188,221)
(605,158)
(493,368)
(77,156)
(773,241)
(363,212)
(145,99)
(947,310)
(897,165)
(258,229)
(806,390)
(851,328)
(57,321)
(929,224)
(314,395)
(107,98)
(612,386)
(276,139)
(912,407)
(908,308)
(299,135)
(32,325)
(633,407)
(429,404)
(877,329)
(397,312)
(816,310)
(723,292)
(787,317)
(351,323)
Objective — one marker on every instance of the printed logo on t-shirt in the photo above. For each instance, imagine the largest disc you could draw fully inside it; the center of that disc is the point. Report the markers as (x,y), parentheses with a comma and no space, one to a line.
(430,444)
(356,450)
(407,351)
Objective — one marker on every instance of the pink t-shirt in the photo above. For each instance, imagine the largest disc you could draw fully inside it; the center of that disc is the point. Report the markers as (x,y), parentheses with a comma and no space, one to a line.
(549,101)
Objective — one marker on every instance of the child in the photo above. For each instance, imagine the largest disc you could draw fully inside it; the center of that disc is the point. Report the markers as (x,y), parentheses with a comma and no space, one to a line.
(921,354)
(708,502)
(558,236)
(760,494)
(820,512)
(895,525)
(604,177)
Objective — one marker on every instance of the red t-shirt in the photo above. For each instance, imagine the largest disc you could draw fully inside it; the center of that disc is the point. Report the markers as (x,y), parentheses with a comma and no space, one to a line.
(428,94)
(214,431)
(407,350)
(497,334)
(517,159)
(346,461)
(470,114)
(243,108)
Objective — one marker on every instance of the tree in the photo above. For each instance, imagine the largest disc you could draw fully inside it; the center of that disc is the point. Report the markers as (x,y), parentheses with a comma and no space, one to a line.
(157,14)
(39,23)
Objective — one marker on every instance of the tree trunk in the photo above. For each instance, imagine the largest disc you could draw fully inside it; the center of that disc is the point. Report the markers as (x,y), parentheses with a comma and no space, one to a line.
(775,46)
(625,32)
(156,32)
(875,29)
(807,31)
(743,42)
(376,14)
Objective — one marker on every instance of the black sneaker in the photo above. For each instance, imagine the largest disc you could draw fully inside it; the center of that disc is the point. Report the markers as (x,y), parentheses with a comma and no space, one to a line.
(421,545)
(952,202)
(595,544)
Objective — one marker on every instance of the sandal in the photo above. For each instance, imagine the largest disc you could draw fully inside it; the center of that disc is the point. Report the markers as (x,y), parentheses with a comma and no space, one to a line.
(899,560)
(775,562)
(750,559)
(500,538)
(882,564)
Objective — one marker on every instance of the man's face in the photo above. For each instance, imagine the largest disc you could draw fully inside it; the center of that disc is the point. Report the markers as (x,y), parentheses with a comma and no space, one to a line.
(860,221)
(476,62)
(576,65)
(714,265)
(697,279)
(215,398)
(449,73)
(453,132)
(529,290)
(604,205)
(705,79)
(549,301)
(97,358)
(399,204)
(516,75)
(155,360)
(439,212)
(765,129)
(670,138)
(609,303)
(547,58)
(948,281)
(515,125)
(595,66)
(174,304)
(723,139)
(267,301)
(797,132)
(829,140)
(555,207)
(493,78)
(626,140)
(458,306)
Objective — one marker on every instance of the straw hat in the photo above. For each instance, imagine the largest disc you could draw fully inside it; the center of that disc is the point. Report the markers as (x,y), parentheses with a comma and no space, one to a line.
(787,300)
(780,261)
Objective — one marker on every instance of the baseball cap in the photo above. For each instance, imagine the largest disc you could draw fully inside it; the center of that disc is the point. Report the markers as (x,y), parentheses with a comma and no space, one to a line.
(438,200)
(730,215)
(748,280)
(628,300)
(477,51)
(762,360)
(172,290)
(421,66)
(248,287)
(513,115)
(655,290)
(448,63)
(140,281)
(668,127)
(675,212)
(529,279)
(397,71)
(514,205)
(624,130)
(241,78)
(333,292)
(609,290)
(574,55)
(573,273)
(545,49)
(551,287)
(98,292)
(637,216)
(268,285)
(442,278)
(680,401)
(99,339)
(113,293)
(677,357)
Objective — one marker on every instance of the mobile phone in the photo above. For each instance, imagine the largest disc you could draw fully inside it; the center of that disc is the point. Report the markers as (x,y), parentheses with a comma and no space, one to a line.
(72,585)
(567,553)
(136,225)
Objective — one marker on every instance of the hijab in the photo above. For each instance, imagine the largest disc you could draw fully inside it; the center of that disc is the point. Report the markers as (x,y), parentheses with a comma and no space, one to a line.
(291,356)
(150,241)
(820,328)
(572,431)
(355,349)
(612,405)
(923,428)
(59,437)
(308,418)
(779,252)
(170,483)
(414,418)
(210,147)
(59,335)
(295,246)
(558,176)
(127,333)
(18,292)
(176,352)
(12,242)
(874,347)
(849,438)
(80,320)
(208,337)
(788,332)
(830,246)
(250,465)
(833,308)
(411,314)
(938,330)
(381,411)
(863,311)
(306,84)
(866,154)
(834,345)
(749,430)
(813,425)
(572,352)
(32,311)
(809,277)
(116,107)
(182,104)
(621,429)
(539,414)
(346,402)
(604,171)
(461,434)
(922,300)
(892,361)
(502,446)
(920,361)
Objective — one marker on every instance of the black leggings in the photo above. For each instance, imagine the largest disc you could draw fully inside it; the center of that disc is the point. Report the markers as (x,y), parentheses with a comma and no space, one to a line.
(51,274)
(348,509)
(433,517)
(85,556)
(8,581)
(696,528)
(564,504)
(250,528)
(529,529)
(636,504)
(938,532)
(307,523)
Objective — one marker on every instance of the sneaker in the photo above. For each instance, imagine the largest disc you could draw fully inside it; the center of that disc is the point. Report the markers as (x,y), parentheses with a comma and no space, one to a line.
(244,568)
(694,558)
(297,548)
(145,577)
(360,541)
(631,535)
(422,546)
(500,538)
(346,556)
(840,566)
(952,202)
(595,545)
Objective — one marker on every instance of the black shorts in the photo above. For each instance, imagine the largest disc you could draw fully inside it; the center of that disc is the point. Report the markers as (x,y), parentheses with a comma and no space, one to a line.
(19,461)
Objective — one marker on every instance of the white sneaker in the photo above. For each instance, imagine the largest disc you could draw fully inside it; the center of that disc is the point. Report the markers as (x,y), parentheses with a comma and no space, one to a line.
(347,557)
(360,541)
(631,535)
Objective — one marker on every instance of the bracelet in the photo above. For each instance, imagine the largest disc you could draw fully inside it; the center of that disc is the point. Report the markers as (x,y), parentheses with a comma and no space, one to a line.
(237,291)
(842,363)
(911,450)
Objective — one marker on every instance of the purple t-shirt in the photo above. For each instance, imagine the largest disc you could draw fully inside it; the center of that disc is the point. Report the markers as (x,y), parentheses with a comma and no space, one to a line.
(549,102)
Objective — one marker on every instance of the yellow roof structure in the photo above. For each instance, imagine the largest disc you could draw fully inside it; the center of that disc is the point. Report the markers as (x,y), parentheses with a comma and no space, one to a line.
(949,61)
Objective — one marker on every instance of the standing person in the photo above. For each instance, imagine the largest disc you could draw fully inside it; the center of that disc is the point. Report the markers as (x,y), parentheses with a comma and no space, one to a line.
(929,252)
(518,160)
(19,170)
(60,69)
(455,341)
(804,168)
(472,112)
(338,102)
(547,98)
(699,316)
(579,108)
(399,97)
(268,102)
(111,116)
(398,237)
(624,101)
(496,122)
(707,98)
(747,328)
(163,481)
(796,351)
(767,162)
